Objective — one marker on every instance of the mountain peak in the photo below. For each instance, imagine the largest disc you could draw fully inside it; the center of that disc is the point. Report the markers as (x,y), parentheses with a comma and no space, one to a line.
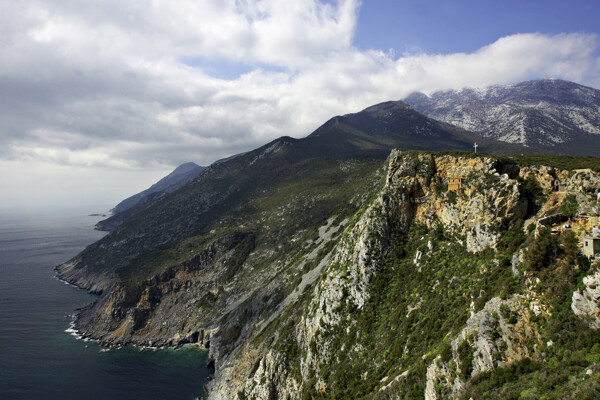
(186,167)
(387,107)
(549,114)
(383,126)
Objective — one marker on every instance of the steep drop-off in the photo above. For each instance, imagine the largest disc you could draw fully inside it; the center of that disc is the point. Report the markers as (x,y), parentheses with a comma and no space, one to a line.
(435,293)
(319,268)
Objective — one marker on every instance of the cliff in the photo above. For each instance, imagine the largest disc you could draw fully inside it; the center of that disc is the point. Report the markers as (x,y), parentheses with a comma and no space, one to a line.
(326,267)
(433,275)
(410,289)
(434,293)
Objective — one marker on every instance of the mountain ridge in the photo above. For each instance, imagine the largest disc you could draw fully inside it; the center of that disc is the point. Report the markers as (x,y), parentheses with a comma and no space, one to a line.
(168,184)
(322,267)
(548,114)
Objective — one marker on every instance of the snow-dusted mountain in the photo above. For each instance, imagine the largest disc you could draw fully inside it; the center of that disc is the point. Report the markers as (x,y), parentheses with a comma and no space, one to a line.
(549,114)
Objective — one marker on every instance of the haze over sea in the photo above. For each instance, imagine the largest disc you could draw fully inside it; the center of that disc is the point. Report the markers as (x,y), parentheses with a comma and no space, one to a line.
(38,359)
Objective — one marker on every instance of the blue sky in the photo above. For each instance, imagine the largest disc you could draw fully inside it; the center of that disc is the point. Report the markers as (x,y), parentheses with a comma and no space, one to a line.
(452,26)
(99,102)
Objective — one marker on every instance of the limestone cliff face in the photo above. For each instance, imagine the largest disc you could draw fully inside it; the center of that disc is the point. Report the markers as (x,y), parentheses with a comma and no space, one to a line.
(494,336)
(415,192)
(487,199)
(586,302)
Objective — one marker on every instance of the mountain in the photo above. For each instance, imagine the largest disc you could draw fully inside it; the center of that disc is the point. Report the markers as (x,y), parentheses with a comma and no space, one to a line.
(395,124)
(176,179)
(326,267)
(429,292)
(180,176)
(547,114)
(375,130)
(237,187)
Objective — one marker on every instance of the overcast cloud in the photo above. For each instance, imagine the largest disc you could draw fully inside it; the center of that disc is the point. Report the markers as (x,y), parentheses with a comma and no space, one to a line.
(114,87)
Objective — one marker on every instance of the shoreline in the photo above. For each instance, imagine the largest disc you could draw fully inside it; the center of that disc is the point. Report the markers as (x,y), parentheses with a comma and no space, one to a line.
(79,335)
(107,346)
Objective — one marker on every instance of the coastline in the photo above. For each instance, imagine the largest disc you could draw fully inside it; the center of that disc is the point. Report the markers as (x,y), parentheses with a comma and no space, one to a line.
(78,334)
(38,303)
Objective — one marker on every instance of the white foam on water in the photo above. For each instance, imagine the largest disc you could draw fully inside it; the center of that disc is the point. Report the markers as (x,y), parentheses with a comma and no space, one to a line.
(72,331)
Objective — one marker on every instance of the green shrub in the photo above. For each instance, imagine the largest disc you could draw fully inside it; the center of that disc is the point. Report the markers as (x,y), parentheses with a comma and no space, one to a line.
(569,207)
(465,356)
(543,250)
(446,352)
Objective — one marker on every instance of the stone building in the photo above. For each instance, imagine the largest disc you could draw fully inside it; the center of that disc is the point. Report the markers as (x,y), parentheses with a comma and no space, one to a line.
(455,184)
(558,186)
(590,245)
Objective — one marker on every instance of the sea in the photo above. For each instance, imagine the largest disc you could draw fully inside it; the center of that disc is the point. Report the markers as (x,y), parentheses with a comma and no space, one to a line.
(40,356)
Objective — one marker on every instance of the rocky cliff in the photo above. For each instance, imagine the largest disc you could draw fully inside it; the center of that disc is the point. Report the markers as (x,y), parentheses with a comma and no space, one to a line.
(419,298)
(434,276)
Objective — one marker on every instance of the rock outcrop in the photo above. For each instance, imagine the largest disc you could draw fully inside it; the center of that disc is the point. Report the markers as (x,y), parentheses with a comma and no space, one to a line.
(494,338)
(175,307)
(414,193)
(586,302)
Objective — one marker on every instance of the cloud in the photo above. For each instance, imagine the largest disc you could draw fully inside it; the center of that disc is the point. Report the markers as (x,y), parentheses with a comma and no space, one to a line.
(121,86)
(509,59)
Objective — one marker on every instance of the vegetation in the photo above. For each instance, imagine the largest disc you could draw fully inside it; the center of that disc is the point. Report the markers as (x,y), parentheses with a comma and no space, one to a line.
(569,206)
(278,211)
(285,203)
(560,162)
(414,309)
(569,365)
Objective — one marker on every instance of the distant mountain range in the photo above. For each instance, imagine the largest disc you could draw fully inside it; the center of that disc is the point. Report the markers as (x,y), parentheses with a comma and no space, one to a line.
(548,114)
(176,179)
(384,126)
(373,131)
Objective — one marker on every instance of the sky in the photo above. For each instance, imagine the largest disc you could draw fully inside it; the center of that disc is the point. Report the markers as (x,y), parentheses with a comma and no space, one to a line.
(100,99)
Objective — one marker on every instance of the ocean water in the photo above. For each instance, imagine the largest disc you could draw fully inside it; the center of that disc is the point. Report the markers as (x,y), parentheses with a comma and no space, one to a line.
(39,358)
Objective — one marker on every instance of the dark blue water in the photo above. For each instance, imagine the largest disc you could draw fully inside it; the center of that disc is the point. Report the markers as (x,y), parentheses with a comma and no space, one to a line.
(38,359)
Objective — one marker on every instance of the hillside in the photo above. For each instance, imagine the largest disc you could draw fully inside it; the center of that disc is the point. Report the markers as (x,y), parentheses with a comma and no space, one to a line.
(325,267)
(237,188)
(547,114)
(170,183)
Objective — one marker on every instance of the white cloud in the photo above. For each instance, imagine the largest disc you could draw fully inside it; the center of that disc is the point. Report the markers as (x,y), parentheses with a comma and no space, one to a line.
(509,59)
(119,84)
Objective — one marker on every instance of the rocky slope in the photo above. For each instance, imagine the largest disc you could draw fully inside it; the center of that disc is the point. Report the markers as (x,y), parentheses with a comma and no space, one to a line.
(324,268)
(351,336)
(548,114)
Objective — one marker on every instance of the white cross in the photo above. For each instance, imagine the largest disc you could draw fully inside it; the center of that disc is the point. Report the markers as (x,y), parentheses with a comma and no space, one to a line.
(475,145)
